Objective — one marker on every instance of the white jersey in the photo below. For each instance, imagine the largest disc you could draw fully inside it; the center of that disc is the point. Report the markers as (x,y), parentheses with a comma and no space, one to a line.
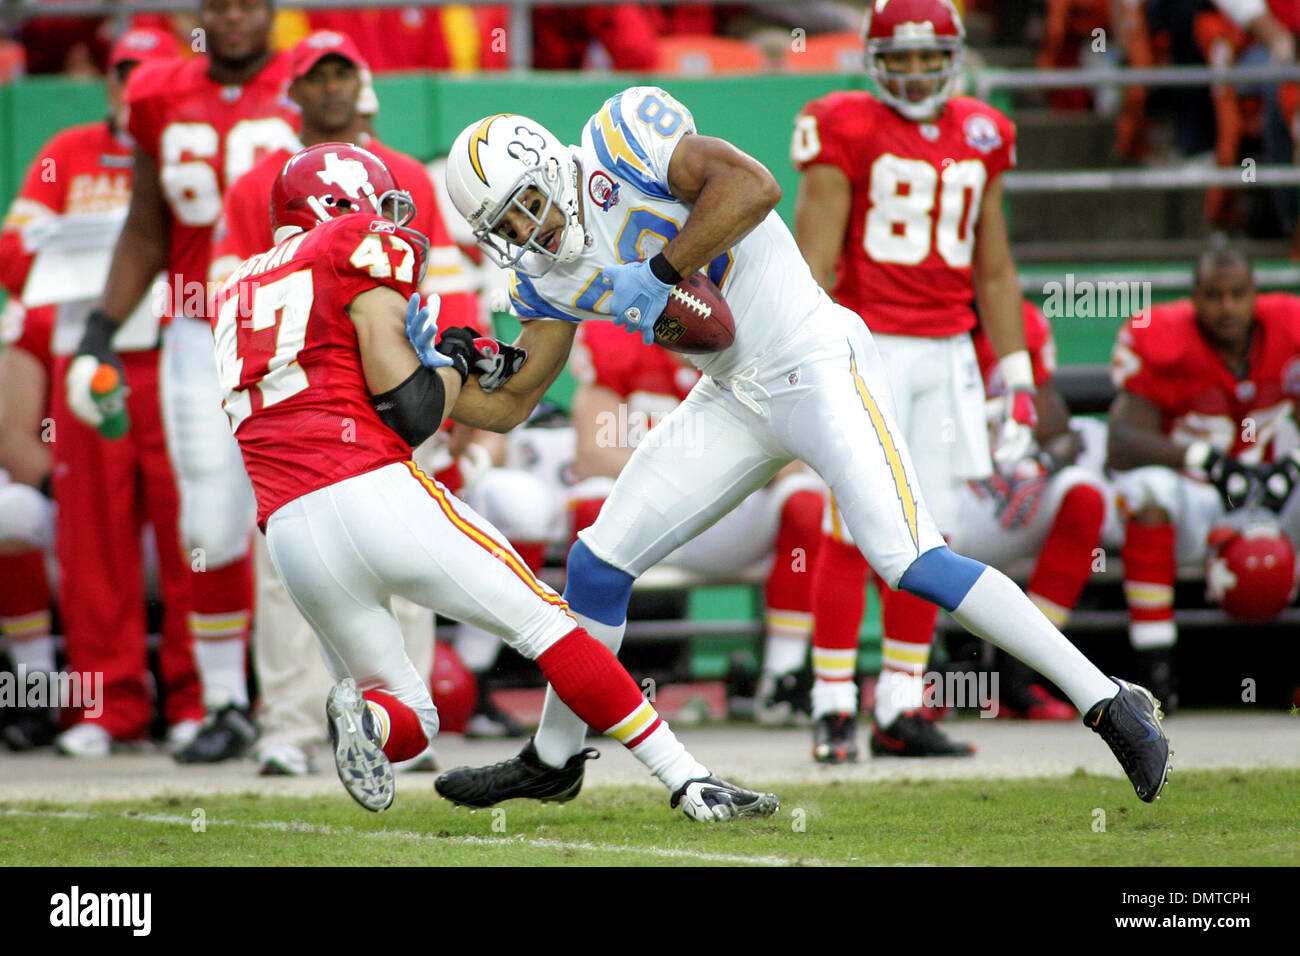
(629,213)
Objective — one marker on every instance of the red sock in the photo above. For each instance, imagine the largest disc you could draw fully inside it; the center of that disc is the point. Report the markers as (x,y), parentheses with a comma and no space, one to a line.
(584,512)
(589,679)
(908,625)
(1065,562)
(24,595)
(839,598)
(1150,565)
(223,601)
(533,553)
(406,737)
(789,585)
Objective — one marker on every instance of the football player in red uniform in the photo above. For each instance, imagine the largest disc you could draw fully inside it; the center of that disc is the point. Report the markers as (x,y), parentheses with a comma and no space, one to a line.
(107,490)
(328,86)
(199,124)
(899,214)
(1203,427)
(1047,508)
(326,397)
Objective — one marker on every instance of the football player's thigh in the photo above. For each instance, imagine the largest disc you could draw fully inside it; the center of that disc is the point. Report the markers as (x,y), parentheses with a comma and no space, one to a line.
(701,461)
(217,503)
(327,571)
(843,428)
(430,547)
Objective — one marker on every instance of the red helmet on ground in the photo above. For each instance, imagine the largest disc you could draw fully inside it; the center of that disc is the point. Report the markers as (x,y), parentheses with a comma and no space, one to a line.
(455,689)
(899,25)
(1251,571)
(335,179)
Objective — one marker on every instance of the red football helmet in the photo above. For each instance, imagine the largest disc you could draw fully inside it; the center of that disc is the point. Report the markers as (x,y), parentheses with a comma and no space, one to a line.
(335,179)
(455,689)
(1251,571)
(894,26)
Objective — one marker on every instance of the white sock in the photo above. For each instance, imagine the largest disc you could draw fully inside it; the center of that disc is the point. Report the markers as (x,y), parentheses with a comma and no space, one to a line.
(834,697)
(667,758)
(1149,635)
(477,648)
(896,692)
(36,653)
(221,669)
(783,654)
(998,611)
(562,732)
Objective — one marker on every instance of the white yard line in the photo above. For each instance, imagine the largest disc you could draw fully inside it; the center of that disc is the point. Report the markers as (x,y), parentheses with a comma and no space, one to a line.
(290,826)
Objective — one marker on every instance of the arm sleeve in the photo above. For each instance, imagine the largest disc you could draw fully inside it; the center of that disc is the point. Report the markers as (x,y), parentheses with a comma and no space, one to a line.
(635,134)
(823,135)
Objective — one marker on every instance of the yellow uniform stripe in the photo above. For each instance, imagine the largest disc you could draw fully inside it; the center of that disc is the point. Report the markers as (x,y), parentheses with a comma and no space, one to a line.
(905,653)
(26,625)
(892,457)
(485,541)
(836,534)
(636,722)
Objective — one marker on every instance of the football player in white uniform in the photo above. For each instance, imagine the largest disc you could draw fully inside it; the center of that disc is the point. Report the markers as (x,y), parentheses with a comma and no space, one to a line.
(604,231)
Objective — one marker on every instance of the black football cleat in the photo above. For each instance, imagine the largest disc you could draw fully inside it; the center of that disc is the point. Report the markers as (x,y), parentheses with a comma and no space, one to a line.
(911,735)
(225,735)
(835,738)
(1129,722)
(523,776)
(712,799)
(30,728)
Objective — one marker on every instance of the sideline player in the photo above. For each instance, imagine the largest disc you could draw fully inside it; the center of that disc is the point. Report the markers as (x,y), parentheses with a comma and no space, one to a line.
(199,124)
(1208,388)
(604,230)
(1050,509)
(107,490)
(624,388)
(326,397)
(899,214)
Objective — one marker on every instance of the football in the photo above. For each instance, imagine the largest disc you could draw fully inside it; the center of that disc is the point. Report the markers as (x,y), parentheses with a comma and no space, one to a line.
(696,319)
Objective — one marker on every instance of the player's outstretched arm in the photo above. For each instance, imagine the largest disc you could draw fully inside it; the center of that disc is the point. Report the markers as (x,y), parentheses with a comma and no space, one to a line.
(730,193)
(1135,437)
(547,342)
(141,251)
(411,399)
(821,215)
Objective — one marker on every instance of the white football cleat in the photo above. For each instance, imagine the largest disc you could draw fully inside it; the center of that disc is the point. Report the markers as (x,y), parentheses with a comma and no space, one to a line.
(709,799)
(282,760)
(363,768)
(84,740)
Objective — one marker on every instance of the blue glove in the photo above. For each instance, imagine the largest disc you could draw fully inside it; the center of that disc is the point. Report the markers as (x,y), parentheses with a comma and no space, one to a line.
(422,330)
(637,297)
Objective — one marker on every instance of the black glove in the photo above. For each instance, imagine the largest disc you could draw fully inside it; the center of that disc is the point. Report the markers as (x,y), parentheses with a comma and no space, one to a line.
(1280,480)
(458,345)
(97,340)
(1236,483)
(497,362)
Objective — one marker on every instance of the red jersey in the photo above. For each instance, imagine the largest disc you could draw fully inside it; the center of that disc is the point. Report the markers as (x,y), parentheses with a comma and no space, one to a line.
(905,264)
(1038,342)
(289,362)
(649,379)
(204,136)
(84,169)
(245,226)
(1167,361)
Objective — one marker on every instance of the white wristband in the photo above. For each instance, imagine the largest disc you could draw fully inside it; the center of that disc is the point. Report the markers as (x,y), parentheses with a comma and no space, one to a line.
(1017,371)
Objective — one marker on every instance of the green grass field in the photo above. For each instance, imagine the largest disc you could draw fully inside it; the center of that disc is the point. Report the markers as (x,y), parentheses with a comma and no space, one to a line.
(1207,818)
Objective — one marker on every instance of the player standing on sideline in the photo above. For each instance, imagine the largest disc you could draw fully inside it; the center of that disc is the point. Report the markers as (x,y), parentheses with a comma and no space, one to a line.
(899,215)
(327,397)
(328,85)
(1047,508)
(107,490)
(1208,388)
(606,229)
(199,125)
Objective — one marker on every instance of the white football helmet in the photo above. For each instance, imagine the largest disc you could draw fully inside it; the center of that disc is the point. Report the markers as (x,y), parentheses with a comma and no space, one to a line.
(491,163)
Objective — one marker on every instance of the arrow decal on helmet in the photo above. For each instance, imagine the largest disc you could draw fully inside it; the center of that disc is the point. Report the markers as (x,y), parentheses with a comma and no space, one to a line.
(478,139)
